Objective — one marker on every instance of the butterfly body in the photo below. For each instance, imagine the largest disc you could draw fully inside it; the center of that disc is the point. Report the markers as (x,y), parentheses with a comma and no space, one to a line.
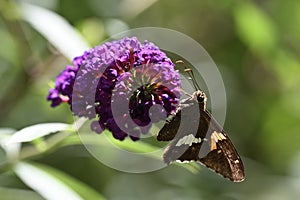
(196,136)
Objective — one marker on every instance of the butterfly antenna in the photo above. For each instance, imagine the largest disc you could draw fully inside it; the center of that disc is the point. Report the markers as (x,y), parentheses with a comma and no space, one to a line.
(190,72)
(186,93)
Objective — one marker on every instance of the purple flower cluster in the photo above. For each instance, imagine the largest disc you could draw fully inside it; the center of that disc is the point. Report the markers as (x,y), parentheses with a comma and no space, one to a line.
(124,86)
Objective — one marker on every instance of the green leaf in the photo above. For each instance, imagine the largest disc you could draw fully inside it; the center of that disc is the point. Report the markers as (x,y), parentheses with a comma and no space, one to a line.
(91,139)
(55,29)
(140,147)
(13,194)
(11,150)
(36,131)
(54,184)
(110,143)
(6,131)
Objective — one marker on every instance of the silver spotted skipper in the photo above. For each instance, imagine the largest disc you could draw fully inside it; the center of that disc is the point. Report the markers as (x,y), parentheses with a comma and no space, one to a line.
(207,143)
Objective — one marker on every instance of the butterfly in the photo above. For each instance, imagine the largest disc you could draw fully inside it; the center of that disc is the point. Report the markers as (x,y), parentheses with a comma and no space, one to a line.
(200,138)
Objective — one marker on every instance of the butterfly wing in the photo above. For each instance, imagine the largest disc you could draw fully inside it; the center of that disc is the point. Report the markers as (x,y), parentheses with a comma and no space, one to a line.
(182,129)
(225,160)
(222,156)
(169,130)
(205,142)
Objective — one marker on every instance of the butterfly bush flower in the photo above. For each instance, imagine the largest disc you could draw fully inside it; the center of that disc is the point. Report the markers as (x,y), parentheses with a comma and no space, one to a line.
(123,86)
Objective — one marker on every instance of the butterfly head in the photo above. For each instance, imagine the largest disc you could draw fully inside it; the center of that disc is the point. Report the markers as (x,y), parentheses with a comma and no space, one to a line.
(200,96)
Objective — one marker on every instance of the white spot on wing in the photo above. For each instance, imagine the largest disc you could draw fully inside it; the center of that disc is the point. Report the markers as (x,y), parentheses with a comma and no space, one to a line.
(180,142)
(197,140)
(236,161)
(188,140)
(184,161)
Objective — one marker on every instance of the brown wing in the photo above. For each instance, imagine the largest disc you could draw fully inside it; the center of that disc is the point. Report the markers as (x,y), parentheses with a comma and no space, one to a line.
(184,125)
(170,129)
(225,160)
(210,145)
(222,156)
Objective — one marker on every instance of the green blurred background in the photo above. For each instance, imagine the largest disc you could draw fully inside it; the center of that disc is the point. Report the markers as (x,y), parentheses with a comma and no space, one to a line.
(256,46)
